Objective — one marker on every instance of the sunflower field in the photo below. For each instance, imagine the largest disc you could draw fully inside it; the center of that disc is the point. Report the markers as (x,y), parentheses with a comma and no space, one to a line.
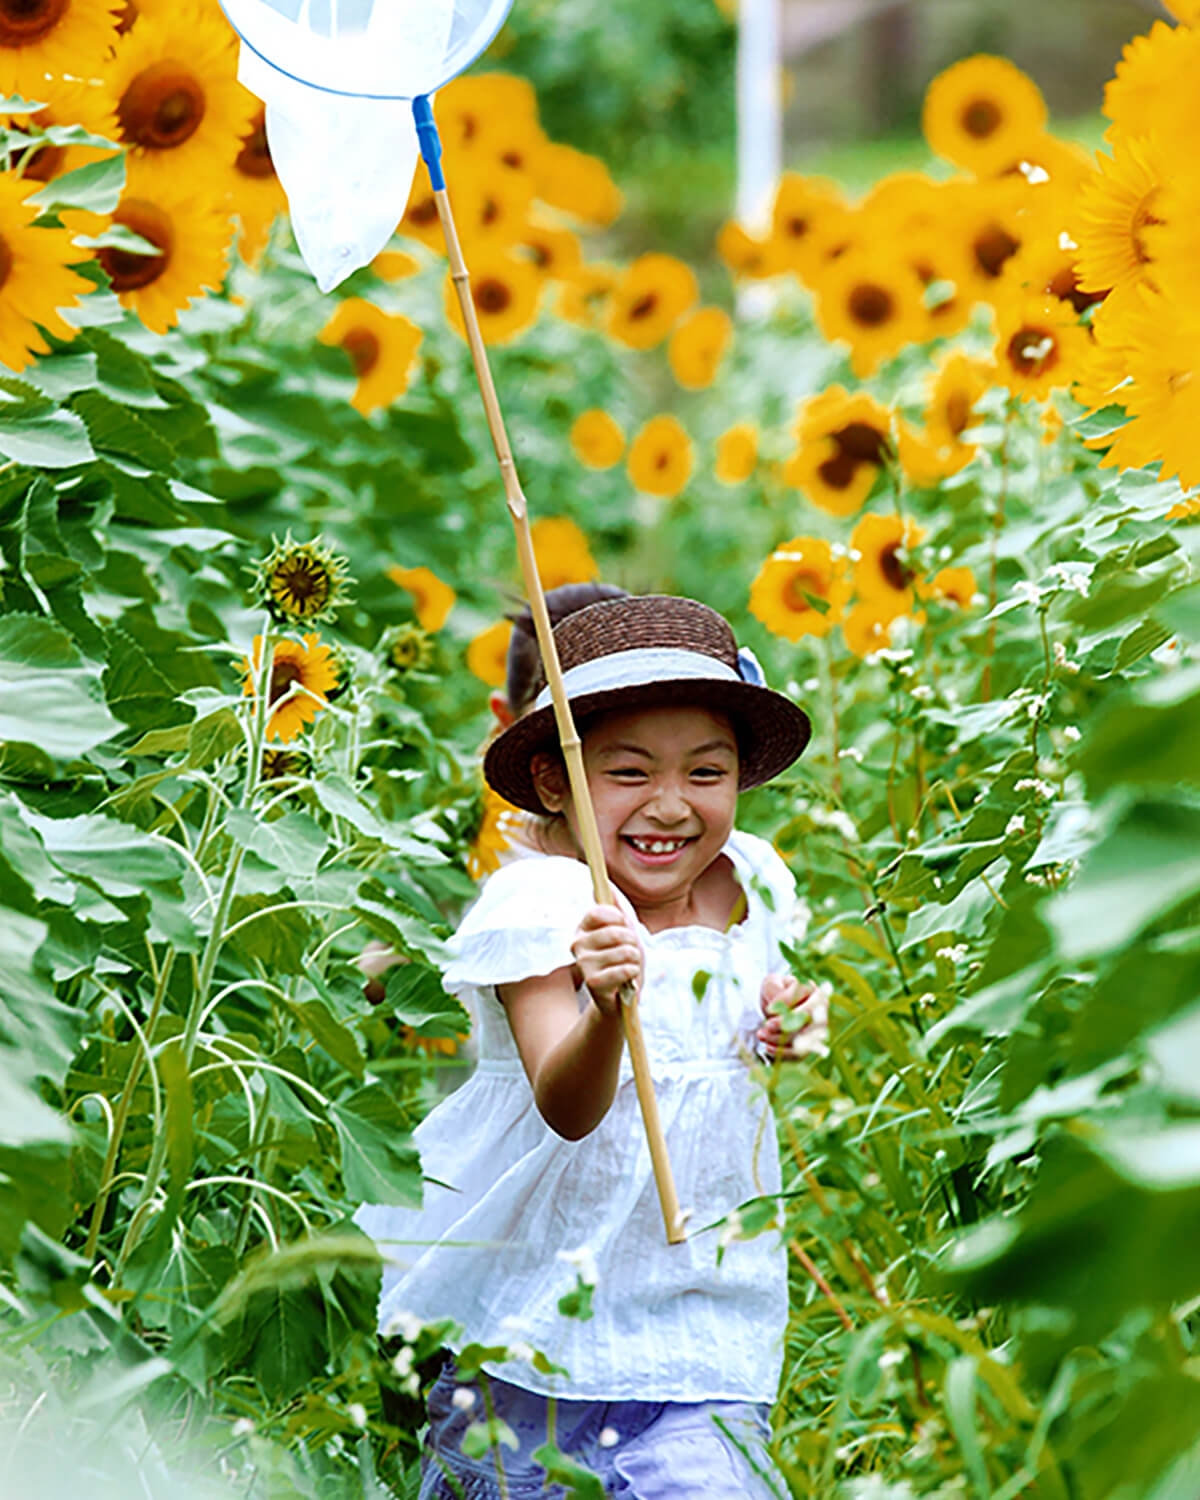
(934,452)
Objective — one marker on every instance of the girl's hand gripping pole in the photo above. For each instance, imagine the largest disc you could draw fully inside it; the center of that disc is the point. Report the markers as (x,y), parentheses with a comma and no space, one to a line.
(572,749)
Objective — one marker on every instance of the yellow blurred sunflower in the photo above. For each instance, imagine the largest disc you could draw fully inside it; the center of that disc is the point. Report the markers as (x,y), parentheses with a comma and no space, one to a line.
(1153,88)
(555,252)
(36,281)
(737,453)
(660,457)
(937,260)
(382,348)
(957,385)
(305,666)
(40,37)
(576,184)
(68,102)
(487,654)
(395,265)
(954,586)
(979,111)
(497,208)
(925,463)
(698,345)
(1117,205)
(192,242)
(257,196)
(505,292)
(1046,267)
(584,294)
(1187,11)
(182,114)
(1039,345)
(561,552)
(432,599)
(596,439)
(988,224)
(419,220)
(649,300)
(865,630)
(497,831)
(872,302)
(844,444)
(884,574)
(748,256)
(795,574)
(470,109)
(807,212)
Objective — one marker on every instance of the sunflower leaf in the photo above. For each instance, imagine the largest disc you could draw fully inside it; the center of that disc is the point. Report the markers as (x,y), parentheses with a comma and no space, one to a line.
(97,188)
(51,698)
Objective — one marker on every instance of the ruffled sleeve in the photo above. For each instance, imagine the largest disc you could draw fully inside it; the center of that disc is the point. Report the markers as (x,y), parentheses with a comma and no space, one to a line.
(522,924)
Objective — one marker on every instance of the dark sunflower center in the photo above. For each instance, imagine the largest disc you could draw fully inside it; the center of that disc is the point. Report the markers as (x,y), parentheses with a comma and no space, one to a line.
(896,574)
(6,262)
(1032,350)
(661,459)
(307,585)
(492,296)
(424,212)
(541,255)
(513,158)
(23,22)
(128,16)
(491,210)
(800,586)
(871,305)
(162,107)
(126,269)
(1064,285)
(1143,218)
(796,227)
(981,118)
(958,412)
(283,674)
(363,348)
(643,307)
(838,472)
(254,159)
(861,442)
(992,246)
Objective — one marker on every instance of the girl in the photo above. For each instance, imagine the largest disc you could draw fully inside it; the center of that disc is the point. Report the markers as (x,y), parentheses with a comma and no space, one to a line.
(539,1176)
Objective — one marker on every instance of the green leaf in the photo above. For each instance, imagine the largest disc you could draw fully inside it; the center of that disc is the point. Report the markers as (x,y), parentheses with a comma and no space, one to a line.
(118,858)
(277,938)
(379,1165)
(292,844)
(577,1482)
(117,431)
(415,996)
(40,434)
(96,187)
(49,698)
(338,1040)
(1147,736)
(213,736)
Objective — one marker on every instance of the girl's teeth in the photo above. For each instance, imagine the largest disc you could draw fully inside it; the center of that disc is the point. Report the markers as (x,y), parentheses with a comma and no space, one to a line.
(658,846)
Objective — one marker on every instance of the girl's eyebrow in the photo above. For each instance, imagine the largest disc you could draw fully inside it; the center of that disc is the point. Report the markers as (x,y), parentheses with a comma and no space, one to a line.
(631,749)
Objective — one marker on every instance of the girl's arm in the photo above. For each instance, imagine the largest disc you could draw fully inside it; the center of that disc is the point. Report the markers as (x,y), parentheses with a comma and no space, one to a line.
(572,1057)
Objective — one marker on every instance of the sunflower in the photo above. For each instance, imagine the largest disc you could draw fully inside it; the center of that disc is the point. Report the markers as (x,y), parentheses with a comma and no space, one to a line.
(596,440)
(35,276)
(938,262)
(407,648)
(494,836)
(555,252)
(575,183)
(492,207)
(470,110)
(884,576)
(303,666)
(1118,204)
(382,348)
(1039,342)
(584,293)
(40,37)
(989,226)
(649,300)
(487,654)
(432,599)
(301,583)
(1047,267)
(844,443)
(660,457)
(698,346)
(68,102)
(183,115)
(865,631)
(257,195)
(505,292)
(954,586)
(1153,89)
(737,453)
(395,265)
(978,112)
(420,219)
(806,214)
(924,462)
(747,256)
(561,552)
(873,303)
(796,574)
(957,386)
(191,241)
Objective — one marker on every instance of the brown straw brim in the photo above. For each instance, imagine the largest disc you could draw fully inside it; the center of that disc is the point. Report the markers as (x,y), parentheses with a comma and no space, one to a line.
(771,730)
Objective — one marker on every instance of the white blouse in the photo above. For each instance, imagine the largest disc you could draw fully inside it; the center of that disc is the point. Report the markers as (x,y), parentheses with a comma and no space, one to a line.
(507,1200)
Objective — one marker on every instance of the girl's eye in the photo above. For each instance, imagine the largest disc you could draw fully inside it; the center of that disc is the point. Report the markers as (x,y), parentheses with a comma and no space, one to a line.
(628,773)
(709,773)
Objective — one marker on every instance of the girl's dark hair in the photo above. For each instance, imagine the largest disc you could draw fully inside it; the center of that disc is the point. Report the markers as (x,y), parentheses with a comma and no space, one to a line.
(523,647)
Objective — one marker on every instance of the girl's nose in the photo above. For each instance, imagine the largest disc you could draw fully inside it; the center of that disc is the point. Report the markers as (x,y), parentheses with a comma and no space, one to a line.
(669,805)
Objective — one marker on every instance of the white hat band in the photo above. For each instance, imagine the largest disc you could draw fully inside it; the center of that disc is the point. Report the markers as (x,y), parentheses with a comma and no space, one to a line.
(631,668)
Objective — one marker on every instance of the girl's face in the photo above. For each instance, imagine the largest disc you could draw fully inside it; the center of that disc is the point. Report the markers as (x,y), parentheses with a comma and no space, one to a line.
(664,786)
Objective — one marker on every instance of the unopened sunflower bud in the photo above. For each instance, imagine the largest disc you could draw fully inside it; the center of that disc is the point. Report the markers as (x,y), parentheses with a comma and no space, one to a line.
(301,583)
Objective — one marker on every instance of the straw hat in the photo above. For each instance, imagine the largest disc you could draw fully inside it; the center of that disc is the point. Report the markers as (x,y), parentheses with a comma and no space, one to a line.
(651,649)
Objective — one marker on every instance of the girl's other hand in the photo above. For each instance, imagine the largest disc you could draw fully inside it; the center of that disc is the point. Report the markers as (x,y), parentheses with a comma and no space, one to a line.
(609,955)
(782,993)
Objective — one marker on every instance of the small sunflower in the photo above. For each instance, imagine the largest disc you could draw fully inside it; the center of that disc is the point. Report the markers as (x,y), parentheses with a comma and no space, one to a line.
(1047,267)
(407,648)
(979,111)
(284,765)
(884,575)
(924,463)
(561,552)
(737,453)
(301,583)
(807,215)
(469,109)
(382,348)
(872,302)
(957,386)
(596,440)
(36,281)
(40,37)
(494,837)
(1039,344)
(300,666)
(844,444)
(651,297)
(395,265)
(555,252)
(660,457)
(937,260)
(1117,207)
(487,654)
(505,292)
(865,631)
(1153,89)
(183,115)
(954,586)
(584,293)
(495,209)
(747,256)
(990,229)
(191,240)
(576,184)
(258,197)
(432,599)
(801,571)
(698,346)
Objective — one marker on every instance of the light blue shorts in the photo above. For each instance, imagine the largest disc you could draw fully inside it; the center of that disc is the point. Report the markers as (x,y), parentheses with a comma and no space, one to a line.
(640,1450)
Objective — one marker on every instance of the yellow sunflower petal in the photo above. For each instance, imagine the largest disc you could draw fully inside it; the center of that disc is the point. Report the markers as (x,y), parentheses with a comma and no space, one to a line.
(306,665)
(871,302)
(979,110)
(36,282)
(432,599)
(660,457)
(487,654)
(698,346)
(40,37)
(596,440)
(884,575)
(382,348)
(561,552)
(737,453)
(795,574)
(651,297)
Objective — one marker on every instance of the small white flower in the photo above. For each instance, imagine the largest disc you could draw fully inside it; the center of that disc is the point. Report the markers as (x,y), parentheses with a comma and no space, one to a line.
(1071,734)
(1036,706)
(890,1358)
(945,554)
(731,1229)
(1039,788)
(800,919)
(463,1398)
(812,684)
(954,954)
(609,1437)
(828,941)
(922,692)
(892,655)
(851,752)
(357,1413)
(1026,592)
(406,1324)
(243,1427)
(854,554)
(583,1262)
(403,1362)
(837,549)
(521,1351)
(1014,826)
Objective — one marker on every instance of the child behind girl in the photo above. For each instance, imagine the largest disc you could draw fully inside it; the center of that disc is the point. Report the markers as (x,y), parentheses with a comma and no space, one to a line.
(538,1168)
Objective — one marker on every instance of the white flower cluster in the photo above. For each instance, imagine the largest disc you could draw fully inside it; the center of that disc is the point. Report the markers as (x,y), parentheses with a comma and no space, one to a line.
(1077,578)
(1034,784)
(954,954)
(1014,826)
(1026,592)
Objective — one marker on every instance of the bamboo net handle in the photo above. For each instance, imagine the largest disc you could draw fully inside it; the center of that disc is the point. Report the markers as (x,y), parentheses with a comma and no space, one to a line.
(572,748)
